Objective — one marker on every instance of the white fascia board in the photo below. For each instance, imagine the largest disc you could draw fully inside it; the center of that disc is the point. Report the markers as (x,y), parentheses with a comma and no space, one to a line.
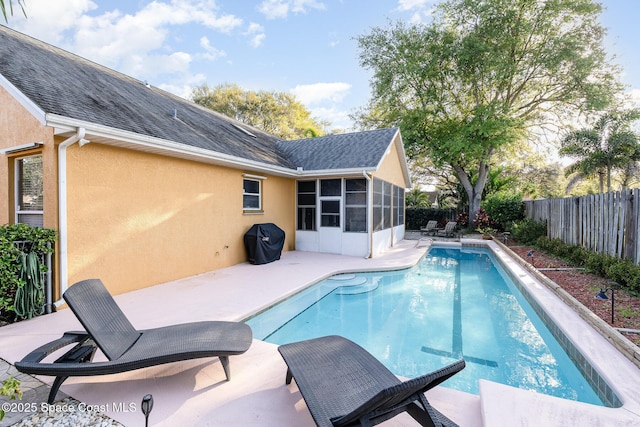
(334,172)
(27,103)
(117,137)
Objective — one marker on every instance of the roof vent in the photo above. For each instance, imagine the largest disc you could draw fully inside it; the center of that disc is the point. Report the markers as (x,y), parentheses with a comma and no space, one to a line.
(175,113)
(243,130)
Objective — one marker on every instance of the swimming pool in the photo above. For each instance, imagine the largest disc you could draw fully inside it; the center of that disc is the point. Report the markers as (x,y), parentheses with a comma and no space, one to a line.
(457,302)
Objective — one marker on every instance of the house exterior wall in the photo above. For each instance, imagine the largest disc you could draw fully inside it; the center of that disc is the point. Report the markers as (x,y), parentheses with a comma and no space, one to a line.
(137,219)
(390,170)
(18,127)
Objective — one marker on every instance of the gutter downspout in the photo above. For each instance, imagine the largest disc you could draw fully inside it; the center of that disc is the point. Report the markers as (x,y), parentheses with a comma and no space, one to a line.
(62,207)
(369,214)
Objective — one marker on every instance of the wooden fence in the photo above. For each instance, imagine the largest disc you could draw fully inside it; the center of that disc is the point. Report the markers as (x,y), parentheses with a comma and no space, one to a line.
(605,223)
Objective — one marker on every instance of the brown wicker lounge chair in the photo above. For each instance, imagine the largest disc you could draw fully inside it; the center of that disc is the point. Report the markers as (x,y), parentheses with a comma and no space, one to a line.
(126,348)
(344,385)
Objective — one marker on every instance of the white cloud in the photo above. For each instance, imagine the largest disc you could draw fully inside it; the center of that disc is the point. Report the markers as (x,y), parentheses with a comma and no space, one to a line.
(405,5)
(274,9)
(635,97)
(212,53)
(320,92)
(256,34)
(137,44)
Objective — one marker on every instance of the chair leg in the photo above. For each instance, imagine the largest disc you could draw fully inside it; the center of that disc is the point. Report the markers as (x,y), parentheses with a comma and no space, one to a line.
(289,376)
(225,364)
(54,388)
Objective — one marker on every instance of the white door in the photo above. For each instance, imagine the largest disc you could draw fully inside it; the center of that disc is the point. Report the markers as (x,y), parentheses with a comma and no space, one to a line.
(330,229)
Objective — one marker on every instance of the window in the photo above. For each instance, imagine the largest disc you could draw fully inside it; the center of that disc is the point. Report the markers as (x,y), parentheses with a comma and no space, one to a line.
(398,206)
(306,205)
(355,216)
(330,187)
(330,215)
(251,195)
(29,195)
(382,198)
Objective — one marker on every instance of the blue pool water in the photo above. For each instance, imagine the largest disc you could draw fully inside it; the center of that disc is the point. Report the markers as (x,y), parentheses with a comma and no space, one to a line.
(455,303)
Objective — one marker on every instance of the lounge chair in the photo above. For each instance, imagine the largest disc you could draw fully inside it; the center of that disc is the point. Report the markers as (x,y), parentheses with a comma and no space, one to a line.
(127,348)
(430,228)
(449,230)
(344,385)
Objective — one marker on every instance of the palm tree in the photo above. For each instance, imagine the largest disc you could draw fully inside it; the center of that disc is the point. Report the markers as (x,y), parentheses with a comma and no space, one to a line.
(610,145)
(3,8)
(417,198)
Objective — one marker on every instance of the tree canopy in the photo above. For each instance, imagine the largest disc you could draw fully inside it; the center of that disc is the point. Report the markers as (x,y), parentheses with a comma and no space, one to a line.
(483,73)
(608,146)
(277,113)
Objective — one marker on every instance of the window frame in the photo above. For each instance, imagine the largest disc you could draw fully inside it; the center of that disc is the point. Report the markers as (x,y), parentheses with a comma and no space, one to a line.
(259,194)
(18,192)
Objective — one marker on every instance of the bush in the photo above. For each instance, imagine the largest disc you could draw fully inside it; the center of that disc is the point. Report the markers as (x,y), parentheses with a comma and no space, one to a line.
(42,241)
(419,217)
(599,263)
(528,231)
(503,209)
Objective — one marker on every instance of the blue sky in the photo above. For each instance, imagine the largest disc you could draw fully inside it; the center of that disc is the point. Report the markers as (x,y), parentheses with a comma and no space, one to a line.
(305,47)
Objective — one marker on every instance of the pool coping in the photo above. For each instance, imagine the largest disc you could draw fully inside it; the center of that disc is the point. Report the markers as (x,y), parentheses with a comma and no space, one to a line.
(191,393)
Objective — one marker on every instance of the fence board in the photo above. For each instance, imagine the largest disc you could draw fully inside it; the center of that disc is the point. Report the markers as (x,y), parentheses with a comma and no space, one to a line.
(607,223)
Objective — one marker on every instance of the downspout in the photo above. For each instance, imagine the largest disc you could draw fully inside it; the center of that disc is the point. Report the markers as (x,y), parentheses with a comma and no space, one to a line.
(62,207)
(369,213)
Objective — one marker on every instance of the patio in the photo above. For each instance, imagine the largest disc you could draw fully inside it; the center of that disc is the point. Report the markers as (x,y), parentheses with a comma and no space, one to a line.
(195,393)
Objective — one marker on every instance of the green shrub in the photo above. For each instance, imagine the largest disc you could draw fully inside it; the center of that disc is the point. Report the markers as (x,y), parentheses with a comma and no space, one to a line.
(42,242)
(419,217)
(624,273)
(528,231)
(504,209)
(599,263)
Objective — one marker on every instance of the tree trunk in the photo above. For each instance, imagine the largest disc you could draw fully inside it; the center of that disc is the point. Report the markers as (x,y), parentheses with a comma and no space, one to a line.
(474,191)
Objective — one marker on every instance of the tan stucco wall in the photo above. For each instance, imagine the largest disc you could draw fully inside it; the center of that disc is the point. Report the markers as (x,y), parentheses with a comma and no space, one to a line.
(390,169)
(137,219)
(18,127)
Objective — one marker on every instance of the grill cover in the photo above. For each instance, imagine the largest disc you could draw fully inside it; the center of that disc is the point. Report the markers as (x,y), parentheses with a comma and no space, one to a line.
(264,243)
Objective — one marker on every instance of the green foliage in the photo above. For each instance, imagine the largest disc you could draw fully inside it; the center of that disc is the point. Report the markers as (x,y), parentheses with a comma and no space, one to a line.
(607,146)
(3,9)
(503,209)
(42,243)
(528,231)
(417,198)
(621,271)
(481,74)
(11,389)
(277,113)
(419,217)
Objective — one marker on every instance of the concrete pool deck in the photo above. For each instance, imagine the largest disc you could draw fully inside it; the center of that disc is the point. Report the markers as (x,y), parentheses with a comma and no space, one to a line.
(195,393)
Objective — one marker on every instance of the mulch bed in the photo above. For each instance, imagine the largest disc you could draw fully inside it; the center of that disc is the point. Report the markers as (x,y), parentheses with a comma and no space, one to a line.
(584,286)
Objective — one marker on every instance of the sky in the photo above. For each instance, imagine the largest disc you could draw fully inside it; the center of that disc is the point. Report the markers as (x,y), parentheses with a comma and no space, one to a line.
(304,47)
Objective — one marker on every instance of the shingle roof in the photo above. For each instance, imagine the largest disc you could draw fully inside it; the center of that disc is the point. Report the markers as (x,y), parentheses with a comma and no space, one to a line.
(345,151)
(70,86)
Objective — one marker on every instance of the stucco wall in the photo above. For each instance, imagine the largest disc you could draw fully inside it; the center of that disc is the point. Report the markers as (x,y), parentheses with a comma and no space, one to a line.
(390,170)
(137,219)
(18,127)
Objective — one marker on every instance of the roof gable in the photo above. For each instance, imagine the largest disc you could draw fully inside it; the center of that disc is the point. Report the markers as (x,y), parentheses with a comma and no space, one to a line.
(359,150)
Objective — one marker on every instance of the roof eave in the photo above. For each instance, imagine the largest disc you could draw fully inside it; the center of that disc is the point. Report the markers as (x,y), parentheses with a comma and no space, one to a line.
(124,139)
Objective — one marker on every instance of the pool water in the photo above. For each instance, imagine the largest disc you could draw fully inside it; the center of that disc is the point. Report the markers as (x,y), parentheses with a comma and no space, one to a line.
(456,303)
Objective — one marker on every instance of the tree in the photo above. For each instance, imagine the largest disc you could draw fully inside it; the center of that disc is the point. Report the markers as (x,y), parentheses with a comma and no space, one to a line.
(417,198)
(609,145)
(3,8)
(483,73)
(277,113)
